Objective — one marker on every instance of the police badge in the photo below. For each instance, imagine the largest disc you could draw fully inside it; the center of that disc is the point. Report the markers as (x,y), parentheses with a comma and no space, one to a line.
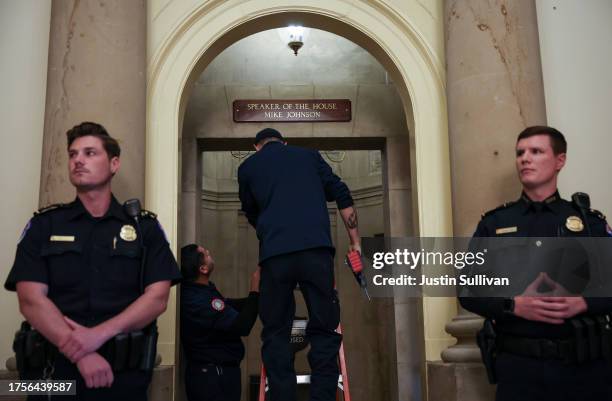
(128,233)
(573,223)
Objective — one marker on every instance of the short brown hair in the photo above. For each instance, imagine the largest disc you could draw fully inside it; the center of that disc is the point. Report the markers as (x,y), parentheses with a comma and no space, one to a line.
(557,140)
(94,129)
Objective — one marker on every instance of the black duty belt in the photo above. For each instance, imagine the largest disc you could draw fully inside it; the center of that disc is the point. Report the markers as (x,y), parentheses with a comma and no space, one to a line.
(540,348)
(127,351)
(591,341)
(135,350)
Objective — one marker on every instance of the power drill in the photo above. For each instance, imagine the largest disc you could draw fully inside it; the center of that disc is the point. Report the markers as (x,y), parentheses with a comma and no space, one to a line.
(353,260)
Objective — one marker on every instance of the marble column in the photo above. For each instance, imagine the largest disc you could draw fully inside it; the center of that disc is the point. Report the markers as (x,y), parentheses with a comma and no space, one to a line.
(407,314)
(191,194)
(494,90)
(96,72)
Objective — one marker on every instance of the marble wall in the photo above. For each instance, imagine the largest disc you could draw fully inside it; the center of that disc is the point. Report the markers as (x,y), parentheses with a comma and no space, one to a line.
(96,73)
(494,91)
(577,85)
(24,34)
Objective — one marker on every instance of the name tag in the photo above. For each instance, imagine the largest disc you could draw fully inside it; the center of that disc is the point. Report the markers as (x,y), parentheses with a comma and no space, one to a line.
(62,238)
(506,230)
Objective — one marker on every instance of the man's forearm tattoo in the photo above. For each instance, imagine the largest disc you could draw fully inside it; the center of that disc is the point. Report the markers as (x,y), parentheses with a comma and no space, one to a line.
(352,220)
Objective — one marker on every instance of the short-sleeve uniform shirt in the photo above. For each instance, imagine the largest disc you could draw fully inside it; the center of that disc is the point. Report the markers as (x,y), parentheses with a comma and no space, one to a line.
(92,266)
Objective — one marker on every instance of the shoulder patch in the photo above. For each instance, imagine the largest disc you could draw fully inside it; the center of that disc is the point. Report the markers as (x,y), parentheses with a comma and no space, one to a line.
(500,207)
(217,304)
(147,214)
(25,230)
(608,229)
(49,208)
(162,230)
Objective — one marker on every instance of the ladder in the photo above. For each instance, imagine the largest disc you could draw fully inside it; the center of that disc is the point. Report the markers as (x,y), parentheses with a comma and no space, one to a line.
(354,261)
(342,392)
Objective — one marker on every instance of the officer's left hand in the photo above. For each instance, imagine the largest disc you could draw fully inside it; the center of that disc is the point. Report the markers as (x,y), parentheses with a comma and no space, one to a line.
(96,371)
(82,341)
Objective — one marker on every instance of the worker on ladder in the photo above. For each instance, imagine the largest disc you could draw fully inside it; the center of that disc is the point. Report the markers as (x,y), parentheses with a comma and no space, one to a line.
(284,192)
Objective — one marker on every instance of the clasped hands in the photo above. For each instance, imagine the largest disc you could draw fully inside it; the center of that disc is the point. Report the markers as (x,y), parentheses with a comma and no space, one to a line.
(80,346)
(552,306)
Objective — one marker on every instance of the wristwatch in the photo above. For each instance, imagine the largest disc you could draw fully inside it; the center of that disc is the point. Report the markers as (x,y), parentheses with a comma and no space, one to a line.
(509,306)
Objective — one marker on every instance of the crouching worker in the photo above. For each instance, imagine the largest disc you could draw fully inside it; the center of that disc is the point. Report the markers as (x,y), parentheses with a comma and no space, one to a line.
(211,327)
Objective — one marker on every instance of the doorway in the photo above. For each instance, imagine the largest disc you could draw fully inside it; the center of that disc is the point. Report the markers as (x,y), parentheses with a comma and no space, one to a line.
(368,330)
(170,147)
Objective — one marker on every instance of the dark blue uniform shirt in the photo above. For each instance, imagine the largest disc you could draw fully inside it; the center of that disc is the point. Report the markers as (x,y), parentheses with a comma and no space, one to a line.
(525,218)
(206,319)
(284,192)
(91,265)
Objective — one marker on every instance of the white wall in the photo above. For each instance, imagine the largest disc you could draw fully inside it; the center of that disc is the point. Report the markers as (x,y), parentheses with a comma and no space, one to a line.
(576,50)
(24,41)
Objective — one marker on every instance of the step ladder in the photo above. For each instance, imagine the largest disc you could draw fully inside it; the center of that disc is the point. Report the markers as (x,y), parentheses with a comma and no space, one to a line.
(342,392)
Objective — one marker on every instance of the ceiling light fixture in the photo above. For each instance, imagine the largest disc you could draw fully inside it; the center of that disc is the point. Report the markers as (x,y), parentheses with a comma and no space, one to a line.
(294,36)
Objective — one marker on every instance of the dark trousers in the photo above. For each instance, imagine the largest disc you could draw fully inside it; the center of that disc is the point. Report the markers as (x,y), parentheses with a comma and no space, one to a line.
(313,270)
(207,382)
(127,385)
(529,379)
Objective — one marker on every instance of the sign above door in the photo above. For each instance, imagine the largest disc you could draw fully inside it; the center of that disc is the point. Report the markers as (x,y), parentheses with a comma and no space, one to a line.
(292,110)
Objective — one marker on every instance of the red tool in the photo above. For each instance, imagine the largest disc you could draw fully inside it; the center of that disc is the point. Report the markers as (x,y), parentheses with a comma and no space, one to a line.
(353,260)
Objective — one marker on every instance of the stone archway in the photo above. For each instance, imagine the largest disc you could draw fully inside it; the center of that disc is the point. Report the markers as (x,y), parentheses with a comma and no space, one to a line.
(207,30)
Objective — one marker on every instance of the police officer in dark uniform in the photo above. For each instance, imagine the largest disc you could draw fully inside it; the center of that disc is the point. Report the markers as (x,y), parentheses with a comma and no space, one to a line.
(284,192)
(539,355)
(211,327)
(83,286)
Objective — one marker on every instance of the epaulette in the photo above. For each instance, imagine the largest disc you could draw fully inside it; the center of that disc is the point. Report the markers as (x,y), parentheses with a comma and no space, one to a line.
(500,207)
(49,208)
(597,213)
(147,214)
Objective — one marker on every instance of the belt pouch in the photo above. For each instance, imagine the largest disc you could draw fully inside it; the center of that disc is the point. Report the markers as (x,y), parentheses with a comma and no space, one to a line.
(581,347)
(121,345)
(150,350)
(136,346)
(606,336)
(593,338)
(35,349)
